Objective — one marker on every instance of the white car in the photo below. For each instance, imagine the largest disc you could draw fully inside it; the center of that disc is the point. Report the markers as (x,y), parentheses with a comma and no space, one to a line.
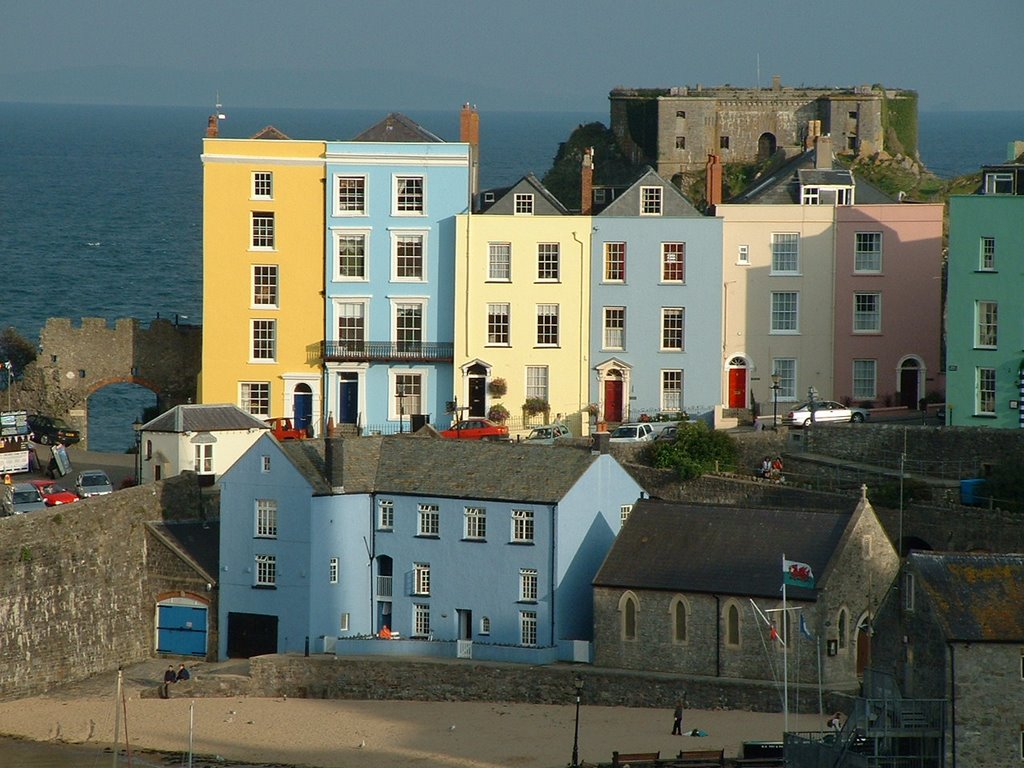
(824,411)
(93,482)
(547,434)
(632,433)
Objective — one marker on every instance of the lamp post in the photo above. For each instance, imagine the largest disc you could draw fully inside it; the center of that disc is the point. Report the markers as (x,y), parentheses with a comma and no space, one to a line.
(578,684)
(10,379)
(812,396)
(401,408)
(775,400)
(137,426)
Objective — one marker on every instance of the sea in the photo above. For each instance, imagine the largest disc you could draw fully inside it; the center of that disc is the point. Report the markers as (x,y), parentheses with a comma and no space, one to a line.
(101,206)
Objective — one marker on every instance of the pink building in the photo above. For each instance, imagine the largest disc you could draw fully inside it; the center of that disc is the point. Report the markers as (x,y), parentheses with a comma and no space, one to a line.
(888,303)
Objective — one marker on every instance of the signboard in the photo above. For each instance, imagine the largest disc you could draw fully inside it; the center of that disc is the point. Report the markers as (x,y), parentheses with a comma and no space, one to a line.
(14,442)
(14,461)
(61,462)
(13,423)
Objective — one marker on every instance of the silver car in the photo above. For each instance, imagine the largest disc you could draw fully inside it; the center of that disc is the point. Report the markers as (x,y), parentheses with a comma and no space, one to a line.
(93,482)
(547,434)
(632,433)
(824,411)
(21,498)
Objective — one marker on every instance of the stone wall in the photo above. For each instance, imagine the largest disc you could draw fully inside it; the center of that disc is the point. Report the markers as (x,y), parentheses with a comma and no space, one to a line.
(75,595)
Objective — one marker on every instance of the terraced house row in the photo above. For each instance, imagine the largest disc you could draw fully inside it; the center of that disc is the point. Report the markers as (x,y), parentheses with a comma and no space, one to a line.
(369,284)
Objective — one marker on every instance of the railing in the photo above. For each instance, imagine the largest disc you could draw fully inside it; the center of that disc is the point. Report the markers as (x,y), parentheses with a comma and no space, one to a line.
(366,351)
(384,586)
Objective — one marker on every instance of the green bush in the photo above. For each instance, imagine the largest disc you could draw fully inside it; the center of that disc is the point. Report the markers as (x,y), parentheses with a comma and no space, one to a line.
(697,449)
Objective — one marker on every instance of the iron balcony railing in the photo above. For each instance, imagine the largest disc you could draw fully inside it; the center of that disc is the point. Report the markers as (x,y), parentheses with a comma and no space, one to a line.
(384,586)
(367,351)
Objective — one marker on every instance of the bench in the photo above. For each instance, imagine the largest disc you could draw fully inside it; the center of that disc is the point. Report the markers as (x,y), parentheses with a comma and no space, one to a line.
(621,759)
(701,758)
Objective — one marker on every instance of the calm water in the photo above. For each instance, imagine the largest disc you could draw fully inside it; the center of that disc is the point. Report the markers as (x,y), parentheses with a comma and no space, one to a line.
(102,206)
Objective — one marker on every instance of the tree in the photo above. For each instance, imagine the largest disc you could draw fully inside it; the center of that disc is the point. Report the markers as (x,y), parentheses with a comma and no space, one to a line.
(697,449)
(17,349)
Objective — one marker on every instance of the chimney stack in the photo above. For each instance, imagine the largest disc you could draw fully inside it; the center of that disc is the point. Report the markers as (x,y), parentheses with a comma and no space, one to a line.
(469,133)
(212,128)
(587,183)
(823,153)
(600,442)
(713,182)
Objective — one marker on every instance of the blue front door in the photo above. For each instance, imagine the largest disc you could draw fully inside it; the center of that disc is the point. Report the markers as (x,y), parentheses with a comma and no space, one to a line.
(303,406)
(181,630)
(348,400)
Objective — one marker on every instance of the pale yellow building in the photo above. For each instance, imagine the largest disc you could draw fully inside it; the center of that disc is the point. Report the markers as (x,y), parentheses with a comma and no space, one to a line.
(263,275)
(522,313)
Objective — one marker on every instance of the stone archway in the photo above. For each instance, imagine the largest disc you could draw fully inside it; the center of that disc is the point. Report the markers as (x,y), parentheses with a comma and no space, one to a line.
(766,146)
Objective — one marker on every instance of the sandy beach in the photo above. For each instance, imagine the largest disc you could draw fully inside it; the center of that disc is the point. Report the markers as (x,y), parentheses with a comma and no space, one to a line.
(339,734)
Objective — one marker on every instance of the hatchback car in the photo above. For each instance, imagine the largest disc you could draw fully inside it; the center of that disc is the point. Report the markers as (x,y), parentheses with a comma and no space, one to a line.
(547,434)
(93,482)
(53,494)
(24,497)
(824,411)
(477,429)
(632,433)
(50,431)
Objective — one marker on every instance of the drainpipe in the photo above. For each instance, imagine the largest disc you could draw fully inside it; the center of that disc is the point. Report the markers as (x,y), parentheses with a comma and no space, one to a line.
(551,575)
(952,701)
(718,636)
(584,371)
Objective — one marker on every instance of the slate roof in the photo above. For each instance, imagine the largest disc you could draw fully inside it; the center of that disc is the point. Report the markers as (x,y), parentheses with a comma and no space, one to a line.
(783,186)
(195,541)
(530,181)
(397,127)
(270,132)
(974,597)
(203,418)
(425,466)
(722,550)
(674,202)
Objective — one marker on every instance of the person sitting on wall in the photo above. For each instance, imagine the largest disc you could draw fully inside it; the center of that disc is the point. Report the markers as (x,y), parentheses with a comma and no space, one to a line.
(169,679)
(183,674)
(385,632)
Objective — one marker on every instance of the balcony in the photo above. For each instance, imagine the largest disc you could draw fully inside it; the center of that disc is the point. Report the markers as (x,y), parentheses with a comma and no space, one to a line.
(384,586)
(387,351)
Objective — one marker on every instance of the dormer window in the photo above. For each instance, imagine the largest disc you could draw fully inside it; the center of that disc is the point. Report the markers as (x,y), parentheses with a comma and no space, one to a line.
(650,201)
(998,183)
(524,204)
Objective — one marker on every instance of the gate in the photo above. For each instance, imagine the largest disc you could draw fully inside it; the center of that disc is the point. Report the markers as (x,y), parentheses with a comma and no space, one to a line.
(181,629)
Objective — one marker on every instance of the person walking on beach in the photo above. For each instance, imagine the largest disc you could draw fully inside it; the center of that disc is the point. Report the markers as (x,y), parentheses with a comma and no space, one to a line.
(677,724)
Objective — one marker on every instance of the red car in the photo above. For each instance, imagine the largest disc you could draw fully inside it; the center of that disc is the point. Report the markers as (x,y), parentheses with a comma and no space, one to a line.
(52,494)
(282,429)
(477,429)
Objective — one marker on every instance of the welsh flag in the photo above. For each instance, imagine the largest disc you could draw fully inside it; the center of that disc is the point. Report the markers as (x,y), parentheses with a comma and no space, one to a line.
(796,574)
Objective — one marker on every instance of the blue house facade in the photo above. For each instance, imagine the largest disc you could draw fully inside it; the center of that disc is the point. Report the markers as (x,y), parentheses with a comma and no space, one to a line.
(656,305)
(499,572)
(391,198)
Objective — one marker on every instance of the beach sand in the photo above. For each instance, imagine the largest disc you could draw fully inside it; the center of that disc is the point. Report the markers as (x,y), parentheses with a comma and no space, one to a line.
(372,734)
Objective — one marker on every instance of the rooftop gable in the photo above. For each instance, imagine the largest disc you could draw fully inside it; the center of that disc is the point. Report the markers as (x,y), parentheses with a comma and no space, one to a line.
(204,418)
(397,127)
(674,203)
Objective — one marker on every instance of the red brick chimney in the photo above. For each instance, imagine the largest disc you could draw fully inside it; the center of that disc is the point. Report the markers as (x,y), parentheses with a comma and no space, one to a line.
(713,182)
(469,133)
(212,128)
(587,183)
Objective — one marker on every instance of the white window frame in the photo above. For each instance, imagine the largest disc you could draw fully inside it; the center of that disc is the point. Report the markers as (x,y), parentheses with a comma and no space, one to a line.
(673,253)
(262,231)
(475,523)
(528,580)
(428,520)
(499,324)
(743,254)
(363,185)
(203,455)
(398,236)
(985,391)
(397,304)
(614,269)
(263,340)
(408,207)
(409,403)
(651,201)
(779,314)
(386,515)
(528,628)
(264,464)
(624,512)
(420,620)
(987,254)
(665,343)
(538,382)
(867,319)
(786,369)
(265,518)
(785,248)
(867,252)
(865,379)
(265,280)
(499,262)
(343,309)
(998,183)
(262,185)
(421,579)
(265,570)
(523,204)
(810,195)
(548,330)
(671,396)
(549,262)
(613,334)
(523,526)
(485,625)
(254,397)
(337,237)
(332,571)
(986,324)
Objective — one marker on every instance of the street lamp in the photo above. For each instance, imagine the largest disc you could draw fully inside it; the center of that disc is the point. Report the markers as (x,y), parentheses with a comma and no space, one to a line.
(812,395)
(401,408)
(578,684)
(137,426)
(775,401)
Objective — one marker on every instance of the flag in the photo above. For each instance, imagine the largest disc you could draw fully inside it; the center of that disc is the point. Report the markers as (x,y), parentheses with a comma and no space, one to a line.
(796,574)
(803,628)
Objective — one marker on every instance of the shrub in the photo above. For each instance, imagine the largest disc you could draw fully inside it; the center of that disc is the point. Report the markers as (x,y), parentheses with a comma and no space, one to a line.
(697,449)
(535,405)
(498,413)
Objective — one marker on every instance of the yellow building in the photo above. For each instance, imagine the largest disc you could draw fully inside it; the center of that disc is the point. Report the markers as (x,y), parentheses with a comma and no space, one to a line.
(522,310)
(263,274)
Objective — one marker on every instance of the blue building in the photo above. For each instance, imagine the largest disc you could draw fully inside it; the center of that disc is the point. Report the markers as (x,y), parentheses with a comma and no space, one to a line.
(656,305)
(392,194)
(486,549)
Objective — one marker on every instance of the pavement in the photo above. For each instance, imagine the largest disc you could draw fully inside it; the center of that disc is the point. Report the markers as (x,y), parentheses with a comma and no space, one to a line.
(120,467)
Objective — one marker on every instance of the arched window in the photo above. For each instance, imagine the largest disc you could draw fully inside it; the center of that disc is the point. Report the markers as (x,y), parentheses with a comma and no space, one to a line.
(485,625)
(732,625)
(628,609)
(678,611)
(841,628)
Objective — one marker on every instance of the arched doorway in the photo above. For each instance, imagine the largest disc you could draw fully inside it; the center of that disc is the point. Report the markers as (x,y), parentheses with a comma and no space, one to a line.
(384,592)
(348,397)
(181,626)
(302,406)
(863,645)
(910,382)
(766,146)
(476,390)
(737,396)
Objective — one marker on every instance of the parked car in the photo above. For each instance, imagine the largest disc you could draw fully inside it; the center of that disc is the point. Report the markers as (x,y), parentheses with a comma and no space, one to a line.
(824,411)
(477,429)
(547,434)
(53,494)
(668,433)
(21,498)
(283,429)
(93,482)
(50,431)
(859,415)
(632,433)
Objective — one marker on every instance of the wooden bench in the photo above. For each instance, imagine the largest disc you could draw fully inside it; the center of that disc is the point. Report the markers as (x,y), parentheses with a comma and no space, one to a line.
(701,758)
(620,759)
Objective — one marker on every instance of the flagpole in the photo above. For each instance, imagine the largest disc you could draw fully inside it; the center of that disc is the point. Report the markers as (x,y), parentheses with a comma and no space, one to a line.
(785,656)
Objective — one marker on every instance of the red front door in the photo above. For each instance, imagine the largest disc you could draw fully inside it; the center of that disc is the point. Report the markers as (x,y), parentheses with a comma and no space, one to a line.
(613,400)
(737,387)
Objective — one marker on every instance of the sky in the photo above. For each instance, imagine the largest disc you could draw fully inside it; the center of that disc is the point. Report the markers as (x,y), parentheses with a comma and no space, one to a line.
(501,55)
